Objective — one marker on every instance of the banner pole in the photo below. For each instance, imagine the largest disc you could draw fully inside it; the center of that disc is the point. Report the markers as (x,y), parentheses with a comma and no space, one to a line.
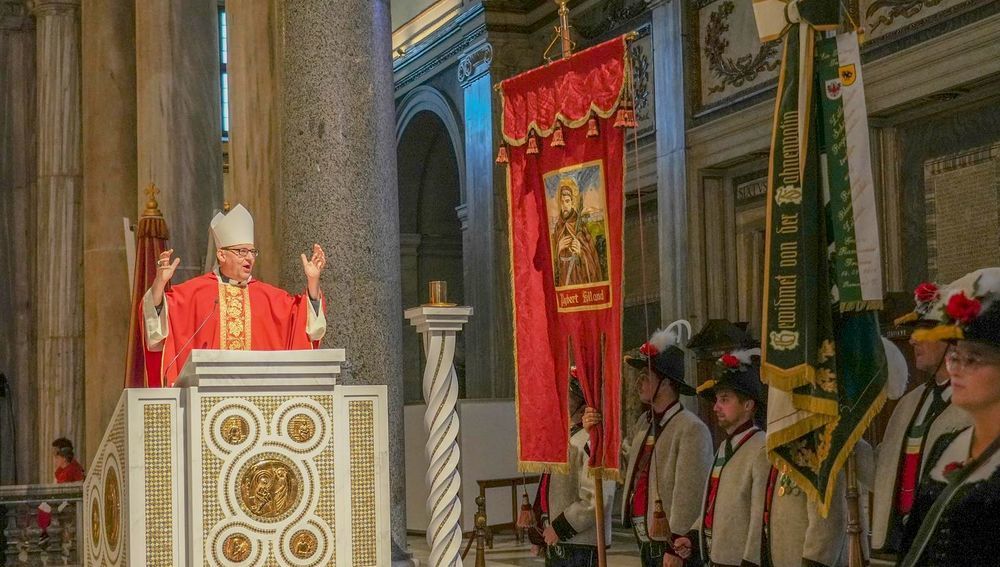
(855,552)
(602,557)
(567,43)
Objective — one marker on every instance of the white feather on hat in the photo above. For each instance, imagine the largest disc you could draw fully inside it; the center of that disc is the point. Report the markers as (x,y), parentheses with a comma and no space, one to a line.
(899,373)
(745,355)
(664,338)
(232,228)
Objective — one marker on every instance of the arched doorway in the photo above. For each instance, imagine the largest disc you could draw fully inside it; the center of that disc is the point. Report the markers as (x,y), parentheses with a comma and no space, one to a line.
(430,192)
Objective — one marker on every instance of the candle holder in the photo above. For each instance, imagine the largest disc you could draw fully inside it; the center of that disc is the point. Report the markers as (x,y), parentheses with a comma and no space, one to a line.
(438,291)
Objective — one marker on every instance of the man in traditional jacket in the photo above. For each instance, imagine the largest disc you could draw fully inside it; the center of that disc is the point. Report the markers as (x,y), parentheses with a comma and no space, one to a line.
(228,309)
(728,533)
(919,418)
(795,533)
(565,502)
(670,455)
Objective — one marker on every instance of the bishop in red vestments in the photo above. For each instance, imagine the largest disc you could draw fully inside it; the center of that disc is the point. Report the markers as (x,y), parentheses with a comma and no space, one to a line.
(227,309)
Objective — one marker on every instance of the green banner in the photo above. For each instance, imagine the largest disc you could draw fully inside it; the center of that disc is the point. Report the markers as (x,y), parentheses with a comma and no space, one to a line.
(825,367)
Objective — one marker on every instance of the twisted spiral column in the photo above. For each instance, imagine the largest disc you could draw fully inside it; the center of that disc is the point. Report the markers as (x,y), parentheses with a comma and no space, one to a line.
(439,325)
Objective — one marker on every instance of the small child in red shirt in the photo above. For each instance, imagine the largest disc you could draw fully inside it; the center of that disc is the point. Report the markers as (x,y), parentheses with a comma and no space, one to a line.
(68,469)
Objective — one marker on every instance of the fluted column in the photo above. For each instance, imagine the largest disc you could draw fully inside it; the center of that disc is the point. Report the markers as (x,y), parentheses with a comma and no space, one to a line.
(59,258)
(338,164)
(18,166)
(109,181)
(254,142)
(179,119)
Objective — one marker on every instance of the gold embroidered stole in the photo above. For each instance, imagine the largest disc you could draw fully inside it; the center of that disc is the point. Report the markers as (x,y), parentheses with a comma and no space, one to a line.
(234,318)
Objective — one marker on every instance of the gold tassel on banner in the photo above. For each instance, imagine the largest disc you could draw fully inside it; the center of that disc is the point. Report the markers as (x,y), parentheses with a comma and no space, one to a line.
(532,146)
(659,529)
(592,127)
(625,118)
(502,154)
(557,137)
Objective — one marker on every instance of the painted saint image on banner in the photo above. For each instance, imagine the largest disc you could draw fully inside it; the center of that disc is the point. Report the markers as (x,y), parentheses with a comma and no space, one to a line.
(576,203)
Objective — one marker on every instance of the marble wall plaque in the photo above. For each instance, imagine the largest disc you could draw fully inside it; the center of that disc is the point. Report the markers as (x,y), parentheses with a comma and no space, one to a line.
(732,62)
(963,212)
(884,18)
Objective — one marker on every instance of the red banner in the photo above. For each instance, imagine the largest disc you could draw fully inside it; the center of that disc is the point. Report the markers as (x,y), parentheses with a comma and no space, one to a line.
(142,367)
(565,195)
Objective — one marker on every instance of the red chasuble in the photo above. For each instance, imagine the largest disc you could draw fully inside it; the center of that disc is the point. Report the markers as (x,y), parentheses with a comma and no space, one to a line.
(228,317)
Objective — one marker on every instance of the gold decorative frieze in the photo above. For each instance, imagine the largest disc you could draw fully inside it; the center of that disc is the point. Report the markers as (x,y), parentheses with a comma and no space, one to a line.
(95,522)
(301,428)
(234,429)
(158,458)
(361,423)
(236,548)
(276,483)
(270,486)
(304,544)
(112,507)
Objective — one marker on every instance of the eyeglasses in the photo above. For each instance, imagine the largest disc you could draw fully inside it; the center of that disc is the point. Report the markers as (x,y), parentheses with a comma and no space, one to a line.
(955,360)
(243,252)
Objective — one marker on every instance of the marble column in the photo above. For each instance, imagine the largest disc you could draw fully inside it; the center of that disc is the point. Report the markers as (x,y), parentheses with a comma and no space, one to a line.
(179,119)
(254,143)
(109,181)
(671,166)
(18,166)
(338,163)
(59,224)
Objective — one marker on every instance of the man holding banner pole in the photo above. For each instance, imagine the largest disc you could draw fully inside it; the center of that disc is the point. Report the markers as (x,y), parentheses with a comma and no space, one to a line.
(670,456)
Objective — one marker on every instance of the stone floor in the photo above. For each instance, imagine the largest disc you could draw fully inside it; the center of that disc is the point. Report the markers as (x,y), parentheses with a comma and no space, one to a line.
(506,551)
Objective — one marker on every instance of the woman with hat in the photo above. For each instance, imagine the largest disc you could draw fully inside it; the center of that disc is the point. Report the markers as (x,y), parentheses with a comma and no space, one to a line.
(956,516)
(670,455)
(728,531)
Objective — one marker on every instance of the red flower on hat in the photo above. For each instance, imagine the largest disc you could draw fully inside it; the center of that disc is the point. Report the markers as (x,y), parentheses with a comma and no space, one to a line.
(649,350)
(963,309)
(730,361)
(926,292)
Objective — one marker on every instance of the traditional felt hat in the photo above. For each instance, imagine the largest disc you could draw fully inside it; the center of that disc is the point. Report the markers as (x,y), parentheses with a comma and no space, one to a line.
(926,307)
(232,228)
(738,371)
(970,309)
(664,355)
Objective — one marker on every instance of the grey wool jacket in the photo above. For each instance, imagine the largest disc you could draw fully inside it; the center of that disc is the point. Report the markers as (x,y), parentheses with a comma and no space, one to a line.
(801,537)
(571,498)
(678,471)
(887,458)
(739,506)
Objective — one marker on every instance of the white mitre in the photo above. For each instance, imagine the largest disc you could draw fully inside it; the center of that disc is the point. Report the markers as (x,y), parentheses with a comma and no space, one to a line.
(232,228)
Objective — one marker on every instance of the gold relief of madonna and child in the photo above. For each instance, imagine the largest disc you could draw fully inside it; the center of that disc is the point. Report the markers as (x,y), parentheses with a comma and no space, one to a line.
(576,206)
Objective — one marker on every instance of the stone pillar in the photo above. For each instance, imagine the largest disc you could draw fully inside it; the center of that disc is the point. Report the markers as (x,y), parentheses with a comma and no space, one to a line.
(487,372)
(59,229)
(671,172)
(109,181)
(179,123)
(411,294)
(18,166)
(338,163)
(254,143)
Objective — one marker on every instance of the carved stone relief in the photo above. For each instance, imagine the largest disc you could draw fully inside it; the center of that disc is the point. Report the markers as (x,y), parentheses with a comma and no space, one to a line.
(884,18)
(731,59)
